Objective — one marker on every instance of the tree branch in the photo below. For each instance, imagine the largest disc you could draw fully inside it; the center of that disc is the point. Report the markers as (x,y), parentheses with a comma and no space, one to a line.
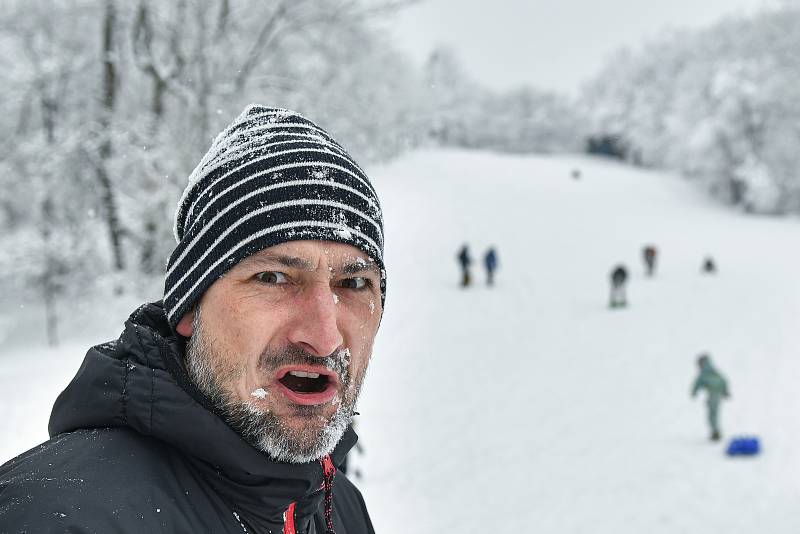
(264,36)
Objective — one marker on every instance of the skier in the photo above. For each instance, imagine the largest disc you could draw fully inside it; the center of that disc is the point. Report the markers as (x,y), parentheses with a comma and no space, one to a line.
(717,388)
(490,262)
(619,276)
(465,260)
(649,254)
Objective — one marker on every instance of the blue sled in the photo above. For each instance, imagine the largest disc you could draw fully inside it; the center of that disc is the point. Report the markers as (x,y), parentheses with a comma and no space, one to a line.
(744,447)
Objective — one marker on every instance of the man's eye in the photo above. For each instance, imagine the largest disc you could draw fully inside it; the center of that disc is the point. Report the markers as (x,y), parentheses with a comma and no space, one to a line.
(358,282)
(271,277)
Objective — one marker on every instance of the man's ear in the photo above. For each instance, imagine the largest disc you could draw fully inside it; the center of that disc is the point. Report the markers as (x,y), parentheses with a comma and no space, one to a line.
(185,326)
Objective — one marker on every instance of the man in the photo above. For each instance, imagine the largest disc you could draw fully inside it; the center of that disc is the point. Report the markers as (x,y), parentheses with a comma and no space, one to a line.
(226,409)
(619,277)
(716,387)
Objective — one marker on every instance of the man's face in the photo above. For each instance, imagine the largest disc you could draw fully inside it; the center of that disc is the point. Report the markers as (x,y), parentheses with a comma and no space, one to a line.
(282,341)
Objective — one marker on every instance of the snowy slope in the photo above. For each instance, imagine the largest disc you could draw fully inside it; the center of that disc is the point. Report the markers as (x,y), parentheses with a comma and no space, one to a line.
(532,407)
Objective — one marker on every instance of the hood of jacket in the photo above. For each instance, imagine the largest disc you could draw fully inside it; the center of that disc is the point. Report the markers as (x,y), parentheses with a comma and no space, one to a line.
(139,381)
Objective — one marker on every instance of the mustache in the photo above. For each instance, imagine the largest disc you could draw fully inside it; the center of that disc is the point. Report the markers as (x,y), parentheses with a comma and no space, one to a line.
(338,361)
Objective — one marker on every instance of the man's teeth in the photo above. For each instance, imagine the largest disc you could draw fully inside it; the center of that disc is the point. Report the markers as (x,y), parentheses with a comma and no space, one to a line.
(303,374)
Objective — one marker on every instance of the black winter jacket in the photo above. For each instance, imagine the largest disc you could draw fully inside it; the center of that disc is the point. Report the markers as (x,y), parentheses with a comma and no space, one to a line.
(136,448)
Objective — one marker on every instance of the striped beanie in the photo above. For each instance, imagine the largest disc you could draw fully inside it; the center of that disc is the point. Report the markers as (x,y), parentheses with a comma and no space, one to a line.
(270,177)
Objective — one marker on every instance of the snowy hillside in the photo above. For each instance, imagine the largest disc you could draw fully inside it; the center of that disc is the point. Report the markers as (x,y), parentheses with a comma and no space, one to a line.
(532,407)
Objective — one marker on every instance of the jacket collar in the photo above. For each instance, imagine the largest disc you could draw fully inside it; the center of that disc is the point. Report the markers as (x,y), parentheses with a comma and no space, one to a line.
(139,381)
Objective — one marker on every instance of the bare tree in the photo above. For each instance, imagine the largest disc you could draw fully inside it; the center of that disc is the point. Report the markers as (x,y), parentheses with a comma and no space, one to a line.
(106,113)
(124,117)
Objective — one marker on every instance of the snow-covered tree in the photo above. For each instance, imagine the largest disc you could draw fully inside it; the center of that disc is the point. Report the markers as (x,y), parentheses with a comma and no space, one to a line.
(110,104)
(721,104)
(468,114)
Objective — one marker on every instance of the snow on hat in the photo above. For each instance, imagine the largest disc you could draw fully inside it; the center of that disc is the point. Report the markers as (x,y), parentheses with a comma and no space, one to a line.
(270,177)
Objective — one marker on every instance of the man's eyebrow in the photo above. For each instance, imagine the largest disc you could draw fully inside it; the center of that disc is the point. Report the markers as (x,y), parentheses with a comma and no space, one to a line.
(360,266)
(296,262)
(293,262)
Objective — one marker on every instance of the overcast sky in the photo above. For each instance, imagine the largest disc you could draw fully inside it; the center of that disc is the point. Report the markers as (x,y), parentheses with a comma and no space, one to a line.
(551,44)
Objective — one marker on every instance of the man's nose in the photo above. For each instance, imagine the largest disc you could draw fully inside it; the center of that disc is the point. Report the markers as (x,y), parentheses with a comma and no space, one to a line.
(315,327)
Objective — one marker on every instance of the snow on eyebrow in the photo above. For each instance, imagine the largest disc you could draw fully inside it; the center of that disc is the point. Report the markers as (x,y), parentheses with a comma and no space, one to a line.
(281,259)
(359,265)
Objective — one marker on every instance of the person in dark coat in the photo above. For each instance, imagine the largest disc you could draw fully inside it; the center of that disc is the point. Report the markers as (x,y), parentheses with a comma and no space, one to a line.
(465,261)
(619,278)
(490,262)
(226,407)
(649,255)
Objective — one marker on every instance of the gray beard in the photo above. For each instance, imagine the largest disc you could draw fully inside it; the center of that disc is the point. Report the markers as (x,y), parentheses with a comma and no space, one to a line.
(263,429)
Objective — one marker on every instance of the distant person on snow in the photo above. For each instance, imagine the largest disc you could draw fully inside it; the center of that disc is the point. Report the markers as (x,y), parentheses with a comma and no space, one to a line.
(717,388)
(576,174)
(649,254)
(464,260)
(709,266)
(619,277)
(490,262)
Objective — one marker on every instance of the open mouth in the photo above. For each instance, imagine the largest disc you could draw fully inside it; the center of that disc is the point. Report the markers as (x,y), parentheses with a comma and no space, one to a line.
(307,386)
(305,382)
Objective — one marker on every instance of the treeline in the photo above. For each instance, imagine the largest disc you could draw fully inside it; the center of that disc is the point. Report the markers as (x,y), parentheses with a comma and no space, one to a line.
(466,114)
(109,104)
(720,104)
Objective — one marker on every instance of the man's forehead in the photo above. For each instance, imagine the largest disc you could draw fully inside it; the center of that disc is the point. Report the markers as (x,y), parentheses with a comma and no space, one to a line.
(311,254)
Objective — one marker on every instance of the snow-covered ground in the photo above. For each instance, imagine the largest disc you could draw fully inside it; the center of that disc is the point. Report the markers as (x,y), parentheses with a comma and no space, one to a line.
(532,407)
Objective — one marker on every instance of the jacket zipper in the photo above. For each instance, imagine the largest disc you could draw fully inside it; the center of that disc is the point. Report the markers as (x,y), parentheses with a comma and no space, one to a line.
(328,472)
(288,520)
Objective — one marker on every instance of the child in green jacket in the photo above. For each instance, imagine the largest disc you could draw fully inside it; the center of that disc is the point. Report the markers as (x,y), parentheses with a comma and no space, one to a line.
(717,388)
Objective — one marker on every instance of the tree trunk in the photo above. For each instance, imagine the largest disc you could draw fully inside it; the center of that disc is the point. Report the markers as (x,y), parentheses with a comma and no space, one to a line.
(203,85)
(49,284)
(109,86)
(51,317)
